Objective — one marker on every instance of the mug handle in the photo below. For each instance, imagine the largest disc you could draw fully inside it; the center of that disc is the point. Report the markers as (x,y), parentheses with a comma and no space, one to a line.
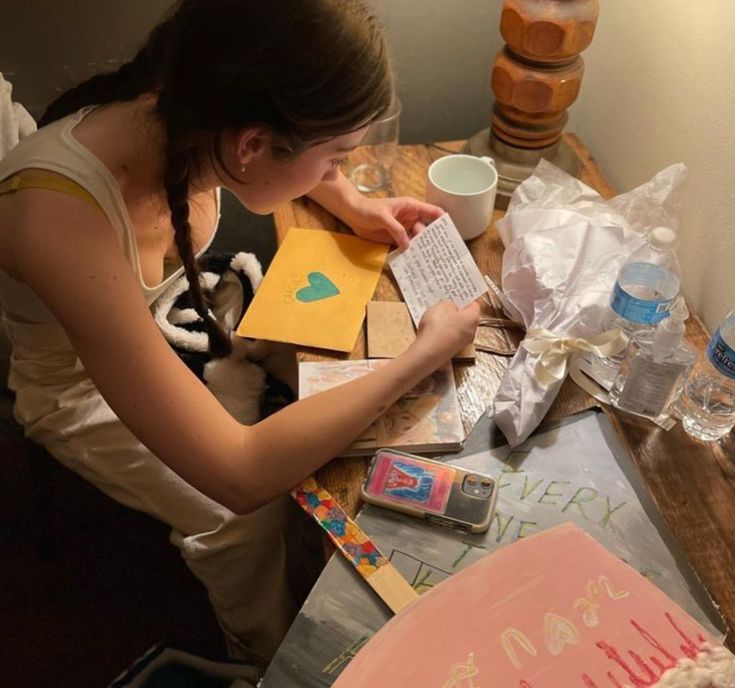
(487,159)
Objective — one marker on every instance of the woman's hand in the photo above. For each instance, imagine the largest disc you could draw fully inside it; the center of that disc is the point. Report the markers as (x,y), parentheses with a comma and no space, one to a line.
(445,329)
(390,220)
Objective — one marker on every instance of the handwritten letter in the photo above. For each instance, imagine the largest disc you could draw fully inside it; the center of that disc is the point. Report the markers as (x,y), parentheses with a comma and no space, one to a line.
(437,265)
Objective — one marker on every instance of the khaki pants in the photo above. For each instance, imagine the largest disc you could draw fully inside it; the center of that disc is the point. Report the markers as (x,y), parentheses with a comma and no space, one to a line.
(240,559)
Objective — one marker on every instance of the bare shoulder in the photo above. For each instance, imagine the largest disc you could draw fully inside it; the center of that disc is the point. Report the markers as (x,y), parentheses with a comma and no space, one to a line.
(69,253)
(41,228)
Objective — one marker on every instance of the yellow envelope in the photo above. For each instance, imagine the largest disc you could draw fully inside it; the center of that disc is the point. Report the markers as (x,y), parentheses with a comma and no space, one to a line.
(315,290)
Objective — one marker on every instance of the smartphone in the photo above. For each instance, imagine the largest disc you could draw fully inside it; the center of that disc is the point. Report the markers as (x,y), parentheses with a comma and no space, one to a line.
(436,491)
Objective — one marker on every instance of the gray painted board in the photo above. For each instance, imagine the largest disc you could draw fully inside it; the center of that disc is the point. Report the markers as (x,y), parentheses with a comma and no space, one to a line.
(576,470)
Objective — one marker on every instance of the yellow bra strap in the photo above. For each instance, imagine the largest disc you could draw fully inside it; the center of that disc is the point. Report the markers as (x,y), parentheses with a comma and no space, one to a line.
(47,180)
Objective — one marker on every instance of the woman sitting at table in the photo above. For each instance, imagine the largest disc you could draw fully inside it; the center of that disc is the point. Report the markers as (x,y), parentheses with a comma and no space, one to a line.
(116,195)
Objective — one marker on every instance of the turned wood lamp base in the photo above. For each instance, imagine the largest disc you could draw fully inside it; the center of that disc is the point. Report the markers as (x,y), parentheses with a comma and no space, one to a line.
(535,78)
(517,164)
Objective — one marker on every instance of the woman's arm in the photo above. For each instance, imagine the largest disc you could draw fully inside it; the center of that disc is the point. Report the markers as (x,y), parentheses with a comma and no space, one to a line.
(388,220)
(77,268)
(339,197)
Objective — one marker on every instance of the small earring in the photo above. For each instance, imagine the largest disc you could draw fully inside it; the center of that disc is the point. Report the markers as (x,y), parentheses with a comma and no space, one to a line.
(242,168)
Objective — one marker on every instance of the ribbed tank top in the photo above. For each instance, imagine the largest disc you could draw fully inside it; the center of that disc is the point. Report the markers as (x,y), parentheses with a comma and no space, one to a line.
(54,148)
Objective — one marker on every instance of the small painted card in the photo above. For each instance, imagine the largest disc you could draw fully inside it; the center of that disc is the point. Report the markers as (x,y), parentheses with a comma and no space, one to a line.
(425,419)
(315,290)
(404,480)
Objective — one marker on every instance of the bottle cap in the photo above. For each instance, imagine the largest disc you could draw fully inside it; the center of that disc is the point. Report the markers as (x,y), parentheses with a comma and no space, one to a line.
(662,238)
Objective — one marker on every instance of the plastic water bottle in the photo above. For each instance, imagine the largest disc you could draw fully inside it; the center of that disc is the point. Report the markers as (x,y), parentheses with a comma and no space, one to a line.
(646,287)
(708,403)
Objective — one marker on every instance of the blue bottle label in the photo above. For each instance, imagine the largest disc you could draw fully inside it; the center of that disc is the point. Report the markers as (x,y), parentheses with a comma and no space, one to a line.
(641,311)
(721,355)
(644,292)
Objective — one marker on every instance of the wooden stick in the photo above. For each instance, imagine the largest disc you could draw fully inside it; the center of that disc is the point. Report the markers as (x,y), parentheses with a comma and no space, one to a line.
(494,288)
(355,545)
(489,321)
(487,348)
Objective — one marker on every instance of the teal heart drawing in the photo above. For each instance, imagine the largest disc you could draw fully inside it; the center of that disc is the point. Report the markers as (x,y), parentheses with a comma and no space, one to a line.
(320,287)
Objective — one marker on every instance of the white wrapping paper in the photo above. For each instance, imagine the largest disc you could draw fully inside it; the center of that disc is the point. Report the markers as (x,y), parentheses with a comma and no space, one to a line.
(564,245)
(15,122)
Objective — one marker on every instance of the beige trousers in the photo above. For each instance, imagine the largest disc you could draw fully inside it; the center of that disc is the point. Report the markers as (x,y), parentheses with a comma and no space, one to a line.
(240,559)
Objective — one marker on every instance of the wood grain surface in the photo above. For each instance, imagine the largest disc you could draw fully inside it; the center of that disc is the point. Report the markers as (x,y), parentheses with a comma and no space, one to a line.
(692,482)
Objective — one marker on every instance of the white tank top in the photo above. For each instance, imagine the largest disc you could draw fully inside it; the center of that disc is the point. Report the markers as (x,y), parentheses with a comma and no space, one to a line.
(54,148)
(44,364)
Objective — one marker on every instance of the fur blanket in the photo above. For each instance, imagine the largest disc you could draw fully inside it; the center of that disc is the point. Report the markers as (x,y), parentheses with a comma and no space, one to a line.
(242,386)
(15,121)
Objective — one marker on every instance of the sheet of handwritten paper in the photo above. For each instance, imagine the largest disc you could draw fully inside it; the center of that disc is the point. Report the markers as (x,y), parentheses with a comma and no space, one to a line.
(437,265)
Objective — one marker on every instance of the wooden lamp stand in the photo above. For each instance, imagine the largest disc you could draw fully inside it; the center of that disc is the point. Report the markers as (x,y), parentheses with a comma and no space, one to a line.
(535,78)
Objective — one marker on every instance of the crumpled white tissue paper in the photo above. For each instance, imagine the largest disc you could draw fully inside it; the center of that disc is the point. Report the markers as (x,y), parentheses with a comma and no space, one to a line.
(15,121)
(564,245)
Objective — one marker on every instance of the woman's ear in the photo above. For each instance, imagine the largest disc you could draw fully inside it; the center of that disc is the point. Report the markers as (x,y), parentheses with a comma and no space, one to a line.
(251,142)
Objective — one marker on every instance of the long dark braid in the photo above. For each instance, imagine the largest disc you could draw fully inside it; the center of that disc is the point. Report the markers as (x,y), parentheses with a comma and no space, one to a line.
(179,158)
(127,83)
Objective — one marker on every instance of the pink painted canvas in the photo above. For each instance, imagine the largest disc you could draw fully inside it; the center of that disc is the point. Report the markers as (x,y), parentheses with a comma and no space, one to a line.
(554,610)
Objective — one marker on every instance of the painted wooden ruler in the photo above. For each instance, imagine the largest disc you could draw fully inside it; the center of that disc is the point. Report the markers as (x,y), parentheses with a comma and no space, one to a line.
(355,545)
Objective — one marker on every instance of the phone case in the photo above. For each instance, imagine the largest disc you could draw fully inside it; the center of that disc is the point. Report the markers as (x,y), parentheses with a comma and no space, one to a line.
(433,490)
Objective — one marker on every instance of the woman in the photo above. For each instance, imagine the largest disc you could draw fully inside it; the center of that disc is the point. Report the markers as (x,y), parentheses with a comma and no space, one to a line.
(115,196)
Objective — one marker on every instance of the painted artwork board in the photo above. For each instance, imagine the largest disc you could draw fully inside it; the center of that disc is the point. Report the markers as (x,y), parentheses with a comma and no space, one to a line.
(574,471)
(554,609)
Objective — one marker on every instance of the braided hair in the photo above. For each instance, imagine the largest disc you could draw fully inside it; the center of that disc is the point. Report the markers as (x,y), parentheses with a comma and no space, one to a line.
(305,70)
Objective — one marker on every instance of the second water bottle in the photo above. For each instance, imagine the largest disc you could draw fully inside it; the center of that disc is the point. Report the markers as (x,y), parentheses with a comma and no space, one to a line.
(646,287)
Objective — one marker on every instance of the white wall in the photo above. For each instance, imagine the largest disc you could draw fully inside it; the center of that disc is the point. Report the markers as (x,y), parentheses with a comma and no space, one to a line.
(47,46)
(443,51)
(659,88)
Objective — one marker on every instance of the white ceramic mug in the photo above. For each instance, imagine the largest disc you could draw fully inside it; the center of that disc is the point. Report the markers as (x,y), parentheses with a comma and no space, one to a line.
(465,186)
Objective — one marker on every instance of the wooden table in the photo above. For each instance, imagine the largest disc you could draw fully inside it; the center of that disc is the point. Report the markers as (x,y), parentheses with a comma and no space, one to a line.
(691,482)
